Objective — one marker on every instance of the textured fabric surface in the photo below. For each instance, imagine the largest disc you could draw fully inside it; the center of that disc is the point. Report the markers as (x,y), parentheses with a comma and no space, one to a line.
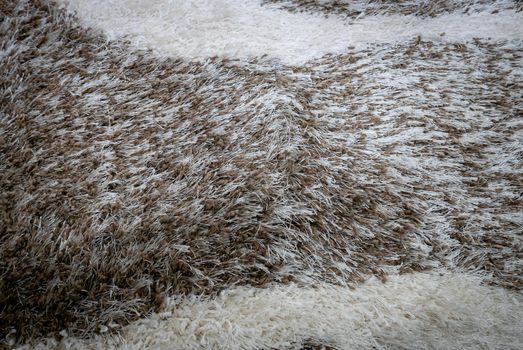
(173,160)
(413,311)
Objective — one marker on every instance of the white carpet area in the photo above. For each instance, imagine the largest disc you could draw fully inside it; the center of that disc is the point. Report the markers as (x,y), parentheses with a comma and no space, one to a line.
(416,311)
(198,29)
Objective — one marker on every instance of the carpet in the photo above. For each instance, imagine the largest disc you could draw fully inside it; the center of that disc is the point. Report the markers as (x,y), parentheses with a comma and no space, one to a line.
(293,174)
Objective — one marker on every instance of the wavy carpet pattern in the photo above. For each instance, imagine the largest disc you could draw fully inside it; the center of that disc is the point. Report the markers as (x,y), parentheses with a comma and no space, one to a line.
(261,174)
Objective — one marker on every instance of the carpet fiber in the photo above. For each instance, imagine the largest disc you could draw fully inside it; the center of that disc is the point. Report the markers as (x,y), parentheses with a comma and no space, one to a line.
(261,174)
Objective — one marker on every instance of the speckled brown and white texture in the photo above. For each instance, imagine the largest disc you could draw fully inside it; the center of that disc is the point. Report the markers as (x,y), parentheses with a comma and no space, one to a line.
(350,9)
(128,178)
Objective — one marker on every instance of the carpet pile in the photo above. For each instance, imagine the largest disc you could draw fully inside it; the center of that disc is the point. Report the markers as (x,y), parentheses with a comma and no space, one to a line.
(272,174)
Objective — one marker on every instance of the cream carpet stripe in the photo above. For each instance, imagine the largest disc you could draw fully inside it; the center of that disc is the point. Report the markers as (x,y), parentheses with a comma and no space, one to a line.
(414,311)
(243,29)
